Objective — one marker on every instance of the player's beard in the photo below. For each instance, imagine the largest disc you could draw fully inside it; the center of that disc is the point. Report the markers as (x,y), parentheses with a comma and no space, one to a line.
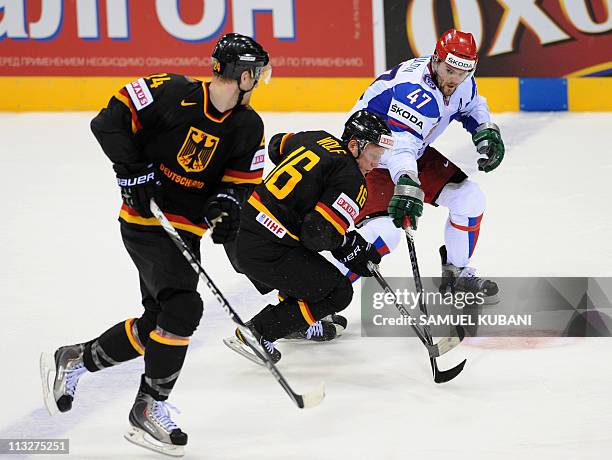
(447,90)
(444,87)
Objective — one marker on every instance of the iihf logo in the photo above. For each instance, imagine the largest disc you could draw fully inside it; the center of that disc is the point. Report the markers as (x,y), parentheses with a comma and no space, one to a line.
(429,81)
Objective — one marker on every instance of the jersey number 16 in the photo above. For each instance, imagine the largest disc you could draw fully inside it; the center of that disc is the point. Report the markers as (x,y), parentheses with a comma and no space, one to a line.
(289,166)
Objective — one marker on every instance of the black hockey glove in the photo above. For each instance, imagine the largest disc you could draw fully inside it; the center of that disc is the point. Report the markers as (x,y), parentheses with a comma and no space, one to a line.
(222,216)
(274,151)
(139,183)
(355,253)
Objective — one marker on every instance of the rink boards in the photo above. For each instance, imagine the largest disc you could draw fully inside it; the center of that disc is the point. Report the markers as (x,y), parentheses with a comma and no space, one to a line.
(321,94)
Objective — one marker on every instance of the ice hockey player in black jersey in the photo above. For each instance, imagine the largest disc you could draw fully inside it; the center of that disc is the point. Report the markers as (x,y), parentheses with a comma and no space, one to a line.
(198,149)
(305,206)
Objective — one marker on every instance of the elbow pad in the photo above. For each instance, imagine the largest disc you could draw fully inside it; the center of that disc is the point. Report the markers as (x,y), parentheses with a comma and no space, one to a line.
(318,235)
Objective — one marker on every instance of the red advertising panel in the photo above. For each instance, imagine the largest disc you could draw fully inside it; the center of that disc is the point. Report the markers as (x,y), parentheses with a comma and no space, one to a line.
(133,37)
(524,38)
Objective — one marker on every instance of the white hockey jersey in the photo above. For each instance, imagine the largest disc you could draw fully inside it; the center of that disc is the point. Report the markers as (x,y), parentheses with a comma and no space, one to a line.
(407,97)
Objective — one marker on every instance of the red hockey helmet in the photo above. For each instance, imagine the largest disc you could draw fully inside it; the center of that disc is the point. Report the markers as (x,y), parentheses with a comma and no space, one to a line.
(457,49)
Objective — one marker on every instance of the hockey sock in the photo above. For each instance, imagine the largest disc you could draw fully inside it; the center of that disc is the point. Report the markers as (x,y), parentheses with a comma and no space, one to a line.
(290,315)
(460,238)
(118,344)
(164,357)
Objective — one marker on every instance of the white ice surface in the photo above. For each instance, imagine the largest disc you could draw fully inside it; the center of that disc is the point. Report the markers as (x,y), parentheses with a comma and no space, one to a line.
(65,277)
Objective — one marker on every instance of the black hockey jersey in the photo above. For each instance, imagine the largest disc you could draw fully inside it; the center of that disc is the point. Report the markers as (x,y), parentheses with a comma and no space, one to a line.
(315,174)
(169,120)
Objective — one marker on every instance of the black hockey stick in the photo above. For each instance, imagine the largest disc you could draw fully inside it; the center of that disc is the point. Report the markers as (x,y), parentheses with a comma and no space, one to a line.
(443,346)
(438,375)
(303,401)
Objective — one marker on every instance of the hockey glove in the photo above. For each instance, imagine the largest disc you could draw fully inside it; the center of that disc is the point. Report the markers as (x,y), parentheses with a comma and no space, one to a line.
(139,183)
(407,202)
(488,142)
(222,216)
(355,253)
(274,150)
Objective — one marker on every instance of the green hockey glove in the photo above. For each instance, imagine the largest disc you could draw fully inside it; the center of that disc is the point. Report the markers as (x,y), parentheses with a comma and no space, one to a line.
(407,202)
(488,142)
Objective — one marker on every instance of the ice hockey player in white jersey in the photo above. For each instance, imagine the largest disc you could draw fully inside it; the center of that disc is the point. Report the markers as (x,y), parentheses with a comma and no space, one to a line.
(419,98)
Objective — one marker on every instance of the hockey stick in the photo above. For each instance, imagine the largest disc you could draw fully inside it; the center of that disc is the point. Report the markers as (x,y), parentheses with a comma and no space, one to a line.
(438,375)
(303,401)
(443,346)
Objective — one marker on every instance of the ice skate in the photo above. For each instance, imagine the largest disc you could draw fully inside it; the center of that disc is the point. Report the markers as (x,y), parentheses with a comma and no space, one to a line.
(238,344)
(152,428)
(463,279)
(60,373)
(340,322)
(324,330)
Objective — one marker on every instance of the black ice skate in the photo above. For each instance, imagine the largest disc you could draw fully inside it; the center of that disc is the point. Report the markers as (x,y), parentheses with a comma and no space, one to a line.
(152,428)
(60,373)
(463,279)
(339,321)
(324,330)
(239,345)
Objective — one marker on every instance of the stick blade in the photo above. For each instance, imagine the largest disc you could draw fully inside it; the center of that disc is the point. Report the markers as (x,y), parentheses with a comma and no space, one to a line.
(312,398)
(447,343)
(448,375)
(460,333)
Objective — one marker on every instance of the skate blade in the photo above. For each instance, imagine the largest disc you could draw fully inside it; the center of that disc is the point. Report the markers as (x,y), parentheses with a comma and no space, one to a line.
(303,339)
(143,439)
(48,372)
(294,338)
(242,349)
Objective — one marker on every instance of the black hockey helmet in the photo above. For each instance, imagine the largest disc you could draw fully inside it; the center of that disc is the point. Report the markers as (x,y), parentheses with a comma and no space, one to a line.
(234,53)
(367,127)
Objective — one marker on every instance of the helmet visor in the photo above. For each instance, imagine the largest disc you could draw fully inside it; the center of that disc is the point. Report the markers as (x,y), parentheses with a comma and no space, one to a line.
(262,73)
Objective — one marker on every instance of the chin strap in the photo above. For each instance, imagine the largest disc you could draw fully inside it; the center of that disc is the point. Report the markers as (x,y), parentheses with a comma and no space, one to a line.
(240,96)
(361,144)
(243,92)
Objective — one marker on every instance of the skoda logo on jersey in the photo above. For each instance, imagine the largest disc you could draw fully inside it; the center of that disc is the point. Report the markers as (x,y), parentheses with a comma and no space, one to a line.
(197,150)
(406,115)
